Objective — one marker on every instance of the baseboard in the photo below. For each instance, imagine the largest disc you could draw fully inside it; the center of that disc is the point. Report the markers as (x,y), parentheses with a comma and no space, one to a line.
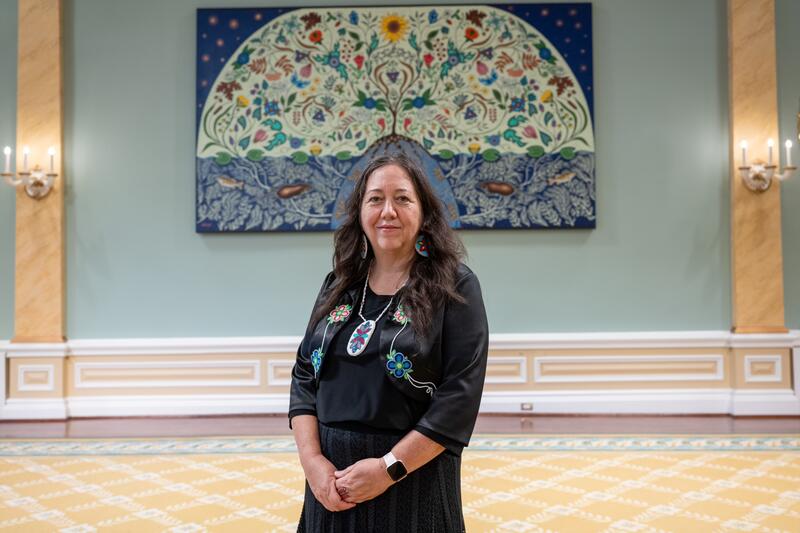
(643,401)
(675,402)
(765,402)
(34,409)
(170,405)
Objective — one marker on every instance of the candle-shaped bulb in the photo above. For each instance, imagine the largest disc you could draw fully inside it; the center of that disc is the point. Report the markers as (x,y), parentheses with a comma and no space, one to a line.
(52,152)
(788,146)
(770,144)
(7,152)
(743,144)
(25,152)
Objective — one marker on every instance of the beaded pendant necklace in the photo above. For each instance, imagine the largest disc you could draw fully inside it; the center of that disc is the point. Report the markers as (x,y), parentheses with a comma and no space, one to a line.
(363,333)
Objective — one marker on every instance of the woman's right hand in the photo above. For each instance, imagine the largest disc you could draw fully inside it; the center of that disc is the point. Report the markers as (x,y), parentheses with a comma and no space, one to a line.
(319,474)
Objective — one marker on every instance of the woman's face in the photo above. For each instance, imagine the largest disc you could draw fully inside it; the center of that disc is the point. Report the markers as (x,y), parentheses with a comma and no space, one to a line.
(391,215)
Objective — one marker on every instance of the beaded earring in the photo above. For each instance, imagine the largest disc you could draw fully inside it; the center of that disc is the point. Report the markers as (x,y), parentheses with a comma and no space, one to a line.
(364,246)
(421,246)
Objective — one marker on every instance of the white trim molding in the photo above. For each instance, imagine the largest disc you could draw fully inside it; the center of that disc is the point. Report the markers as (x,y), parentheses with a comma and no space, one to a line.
(234,367)
(644,361)
(522,369)
(48,386)
(775,402)
(620,400)
(628,401)
(272,372)
(36,349)
(178,405)
(497,342)
(184,346)
(750,377)
(35,409)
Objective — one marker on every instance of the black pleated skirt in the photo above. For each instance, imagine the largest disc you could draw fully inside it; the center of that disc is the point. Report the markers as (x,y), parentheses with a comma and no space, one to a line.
(427,500)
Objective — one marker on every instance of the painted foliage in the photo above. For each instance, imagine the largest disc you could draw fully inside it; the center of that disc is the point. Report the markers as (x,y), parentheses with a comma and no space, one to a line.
(292,104)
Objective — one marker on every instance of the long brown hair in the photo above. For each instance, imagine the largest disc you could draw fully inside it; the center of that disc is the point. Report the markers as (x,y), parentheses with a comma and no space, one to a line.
(432,279)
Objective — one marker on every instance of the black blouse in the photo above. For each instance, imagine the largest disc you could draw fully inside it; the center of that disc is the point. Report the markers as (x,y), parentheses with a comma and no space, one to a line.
(355,392)
(352,391)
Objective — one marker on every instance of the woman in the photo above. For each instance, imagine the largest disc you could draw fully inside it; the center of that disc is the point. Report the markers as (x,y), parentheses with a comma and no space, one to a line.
(388,378)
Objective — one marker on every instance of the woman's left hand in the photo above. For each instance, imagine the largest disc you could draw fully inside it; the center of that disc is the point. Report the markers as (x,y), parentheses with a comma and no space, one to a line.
(362,480)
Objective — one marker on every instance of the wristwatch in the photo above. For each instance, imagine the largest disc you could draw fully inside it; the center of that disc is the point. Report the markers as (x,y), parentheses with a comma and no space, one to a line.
(394,467)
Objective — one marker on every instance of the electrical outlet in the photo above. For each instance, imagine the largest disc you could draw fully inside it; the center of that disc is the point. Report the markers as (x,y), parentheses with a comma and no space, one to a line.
(526,406)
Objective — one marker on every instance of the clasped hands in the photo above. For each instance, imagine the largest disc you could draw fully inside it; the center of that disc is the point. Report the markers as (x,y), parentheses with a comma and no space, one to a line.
(340,490)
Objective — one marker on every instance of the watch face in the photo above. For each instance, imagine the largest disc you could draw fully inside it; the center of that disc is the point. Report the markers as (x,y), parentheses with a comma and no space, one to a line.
(396,470)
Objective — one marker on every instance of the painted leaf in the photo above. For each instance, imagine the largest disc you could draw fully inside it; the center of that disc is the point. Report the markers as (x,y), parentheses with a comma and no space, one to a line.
(490,155)
(536,151)
(300,158)
(255,155)
(568,153)
(223,158)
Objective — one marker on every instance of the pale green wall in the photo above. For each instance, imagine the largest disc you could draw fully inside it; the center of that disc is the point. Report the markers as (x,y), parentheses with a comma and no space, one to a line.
(787,15)
(8,118)
(658,260)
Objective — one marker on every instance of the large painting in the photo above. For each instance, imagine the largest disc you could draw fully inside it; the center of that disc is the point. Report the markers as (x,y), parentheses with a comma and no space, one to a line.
(494,102)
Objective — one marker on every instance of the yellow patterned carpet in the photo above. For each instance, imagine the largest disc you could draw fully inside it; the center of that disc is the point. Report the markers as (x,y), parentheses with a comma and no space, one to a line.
(519,484)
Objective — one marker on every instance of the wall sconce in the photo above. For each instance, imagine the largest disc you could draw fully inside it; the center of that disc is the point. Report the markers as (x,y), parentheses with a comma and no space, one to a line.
(37,183)
(758,177)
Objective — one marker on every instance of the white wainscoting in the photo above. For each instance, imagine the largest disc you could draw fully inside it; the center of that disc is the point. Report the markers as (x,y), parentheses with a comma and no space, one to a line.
(621,400)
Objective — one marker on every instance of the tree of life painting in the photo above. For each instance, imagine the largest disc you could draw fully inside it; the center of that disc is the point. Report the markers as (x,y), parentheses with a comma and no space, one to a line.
(292,104)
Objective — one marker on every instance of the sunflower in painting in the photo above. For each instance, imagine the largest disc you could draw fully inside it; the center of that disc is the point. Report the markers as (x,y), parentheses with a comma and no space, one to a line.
(394,27)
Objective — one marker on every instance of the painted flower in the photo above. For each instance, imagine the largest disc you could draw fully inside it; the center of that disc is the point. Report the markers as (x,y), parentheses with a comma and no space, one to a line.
(243,57)
(370,103)
(545,53)
(400,315)
(315,149)
(471,34)
(398,364)
(295,143)
(315,36)
(359,60)
(418,102)
(517,105)
(428,58)
(316,359)
(474,148)
(394,27)
(547,96)
(529,132)
(353,18)
(340,312)
(272,107)
(242,101)
(433,16)
(259,136)
(494,140)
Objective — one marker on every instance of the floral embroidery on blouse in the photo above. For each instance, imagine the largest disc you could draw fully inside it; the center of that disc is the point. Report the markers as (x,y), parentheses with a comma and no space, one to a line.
(398,364)
(400,315)
(316,360)
(340,313)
